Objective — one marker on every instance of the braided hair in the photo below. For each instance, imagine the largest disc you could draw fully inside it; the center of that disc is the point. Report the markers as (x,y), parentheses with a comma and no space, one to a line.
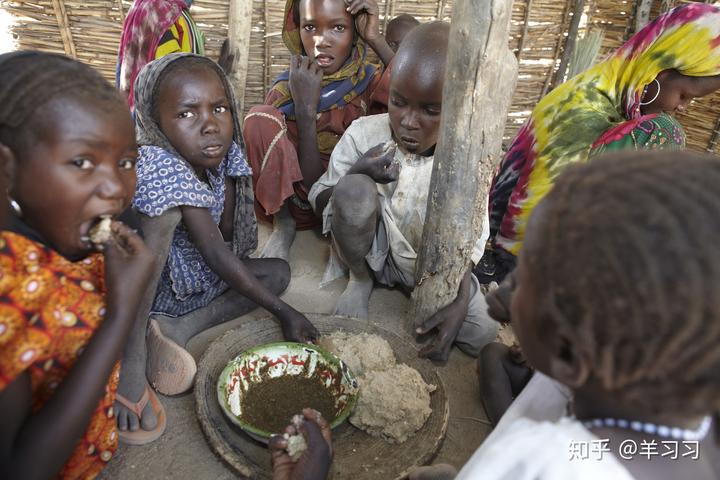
(29,79)
(626,258)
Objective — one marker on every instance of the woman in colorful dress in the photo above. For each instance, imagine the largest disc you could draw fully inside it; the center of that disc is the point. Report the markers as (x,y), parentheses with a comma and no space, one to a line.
(153,29)
(626,101)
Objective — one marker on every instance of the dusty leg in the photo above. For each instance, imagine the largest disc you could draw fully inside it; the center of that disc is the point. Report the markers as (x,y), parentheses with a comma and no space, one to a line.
(158,234)
(132,381)
(501,379)
(354,221)
(271,272)
(283,234)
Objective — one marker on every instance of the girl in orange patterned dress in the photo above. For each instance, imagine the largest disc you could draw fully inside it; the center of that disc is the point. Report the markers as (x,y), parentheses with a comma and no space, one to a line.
(65,309)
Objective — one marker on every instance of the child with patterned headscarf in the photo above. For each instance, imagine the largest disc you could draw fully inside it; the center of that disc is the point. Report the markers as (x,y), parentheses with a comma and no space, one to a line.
(191,159)
(329,84)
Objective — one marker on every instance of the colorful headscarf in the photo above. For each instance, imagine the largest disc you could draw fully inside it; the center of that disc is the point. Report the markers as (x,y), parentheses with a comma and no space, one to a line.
(145,24)
(567,122)
(148,131)
(338,89)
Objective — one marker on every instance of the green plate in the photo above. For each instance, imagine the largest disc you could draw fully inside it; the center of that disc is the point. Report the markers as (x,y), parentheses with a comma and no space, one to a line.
(276,360)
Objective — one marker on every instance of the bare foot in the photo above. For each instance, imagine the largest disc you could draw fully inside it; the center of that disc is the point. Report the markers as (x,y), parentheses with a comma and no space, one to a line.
(355,299)
(132,386)
(278,245)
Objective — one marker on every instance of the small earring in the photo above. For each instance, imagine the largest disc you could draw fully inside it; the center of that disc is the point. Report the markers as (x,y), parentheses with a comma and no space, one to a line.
(15,207)
(656,95)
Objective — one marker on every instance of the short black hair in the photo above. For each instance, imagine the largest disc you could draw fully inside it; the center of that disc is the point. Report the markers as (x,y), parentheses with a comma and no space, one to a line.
(402,19)
(626,258)
(29,79)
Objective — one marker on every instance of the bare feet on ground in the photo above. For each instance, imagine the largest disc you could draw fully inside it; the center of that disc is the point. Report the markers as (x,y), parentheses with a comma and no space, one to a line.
(355,299)
(282,237)
(278,245)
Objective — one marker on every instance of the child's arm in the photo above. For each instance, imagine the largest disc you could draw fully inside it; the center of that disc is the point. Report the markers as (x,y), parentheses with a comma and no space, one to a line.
(367,22)
(206,236)
(498,300)
(448,321)
(227,221)
(37,445)
(376,163)
(304,83)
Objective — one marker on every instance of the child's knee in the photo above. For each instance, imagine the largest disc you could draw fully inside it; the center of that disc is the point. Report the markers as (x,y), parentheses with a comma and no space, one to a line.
(494,352)
(281,275)
(355,198)
(274,273)
(475,334)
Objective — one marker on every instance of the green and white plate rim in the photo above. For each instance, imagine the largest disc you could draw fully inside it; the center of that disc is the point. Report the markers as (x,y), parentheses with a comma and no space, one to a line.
(289,358)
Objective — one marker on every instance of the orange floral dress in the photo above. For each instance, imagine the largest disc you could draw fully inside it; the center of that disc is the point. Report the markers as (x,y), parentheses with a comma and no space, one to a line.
(49,309)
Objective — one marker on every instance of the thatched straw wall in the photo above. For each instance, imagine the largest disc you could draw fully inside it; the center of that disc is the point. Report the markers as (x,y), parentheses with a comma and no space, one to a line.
(90,31)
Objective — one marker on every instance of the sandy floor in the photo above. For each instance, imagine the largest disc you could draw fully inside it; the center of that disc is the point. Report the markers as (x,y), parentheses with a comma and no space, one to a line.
(182,452)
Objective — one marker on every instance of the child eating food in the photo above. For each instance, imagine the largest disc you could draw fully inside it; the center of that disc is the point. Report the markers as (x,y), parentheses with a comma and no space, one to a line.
(65,309)
(374,194)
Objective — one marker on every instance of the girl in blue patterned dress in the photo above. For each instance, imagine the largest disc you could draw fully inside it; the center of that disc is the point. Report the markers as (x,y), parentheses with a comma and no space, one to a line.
(192,158)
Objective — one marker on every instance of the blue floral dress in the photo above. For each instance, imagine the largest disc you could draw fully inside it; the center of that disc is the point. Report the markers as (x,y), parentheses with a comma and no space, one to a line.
(164,181)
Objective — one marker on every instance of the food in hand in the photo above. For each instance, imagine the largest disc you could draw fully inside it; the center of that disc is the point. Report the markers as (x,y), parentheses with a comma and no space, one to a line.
(296,444)
(101,232)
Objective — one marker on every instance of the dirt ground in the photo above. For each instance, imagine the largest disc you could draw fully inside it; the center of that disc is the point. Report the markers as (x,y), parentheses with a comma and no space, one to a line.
(182,452)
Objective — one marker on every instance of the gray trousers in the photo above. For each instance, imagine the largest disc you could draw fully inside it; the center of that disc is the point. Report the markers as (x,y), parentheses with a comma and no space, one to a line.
(477,330)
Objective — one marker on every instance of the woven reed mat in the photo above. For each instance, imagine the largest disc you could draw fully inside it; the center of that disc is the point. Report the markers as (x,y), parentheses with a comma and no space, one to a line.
(358,456)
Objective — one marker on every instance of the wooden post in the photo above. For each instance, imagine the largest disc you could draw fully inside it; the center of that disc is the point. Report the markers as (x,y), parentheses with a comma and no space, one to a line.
(570,42)
(239,26)
(526,24)
(558,49)
(440,9)
(266,44)
(642,14)
(479,84)
(386,16)
(715,139)
(121,10)
(64,26)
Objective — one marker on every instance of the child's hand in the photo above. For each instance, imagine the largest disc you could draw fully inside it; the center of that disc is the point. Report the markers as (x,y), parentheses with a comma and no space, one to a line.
(447,321)
(367,18)
(377,163)
(314,464)
(296,328)
(305,81)
(226,59)
(128,266)
(498,300)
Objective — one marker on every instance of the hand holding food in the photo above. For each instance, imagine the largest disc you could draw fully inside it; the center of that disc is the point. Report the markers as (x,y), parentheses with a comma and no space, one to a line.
(128,265)
(378,163)
(313,461)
